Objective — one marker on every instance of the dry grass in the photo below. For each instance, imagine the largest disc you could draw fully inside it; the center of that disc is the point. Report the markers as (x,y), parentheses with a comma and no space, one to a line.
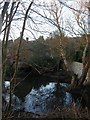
(70,112)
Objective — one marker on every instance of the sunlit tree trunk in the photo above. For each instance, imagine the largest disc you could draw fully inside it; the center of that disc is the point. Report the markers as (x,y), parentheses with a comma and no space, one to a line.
(86,62)
(86,52)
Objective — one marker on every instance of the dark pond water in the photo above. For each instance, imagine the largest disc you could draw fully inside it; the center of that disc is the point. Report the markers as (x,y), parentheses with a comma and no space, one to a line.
(41,100)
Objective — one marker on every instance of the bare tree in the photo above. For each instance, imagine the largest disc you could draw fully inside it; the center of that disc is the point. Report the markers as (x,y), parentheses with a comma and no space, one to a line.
(81,22)
(12,81)
(52,15)
(5,7)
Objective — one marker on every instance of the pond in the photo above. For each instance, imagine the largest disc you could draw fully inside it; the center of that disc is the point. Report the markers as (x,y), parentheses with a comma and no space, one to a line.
(46,99)
(40,100)
(40,95)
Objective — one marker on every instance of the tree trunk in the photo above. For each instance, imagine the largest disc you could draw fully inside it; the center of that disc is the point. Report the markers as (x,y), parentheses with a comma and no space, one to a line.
(86,62)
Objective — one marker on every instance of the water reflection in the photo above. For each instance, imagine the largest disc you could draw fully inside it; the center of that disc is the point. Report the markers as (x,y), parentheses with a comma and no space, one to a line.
(67,99)
(36,100)
(46,99)
(42,100)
